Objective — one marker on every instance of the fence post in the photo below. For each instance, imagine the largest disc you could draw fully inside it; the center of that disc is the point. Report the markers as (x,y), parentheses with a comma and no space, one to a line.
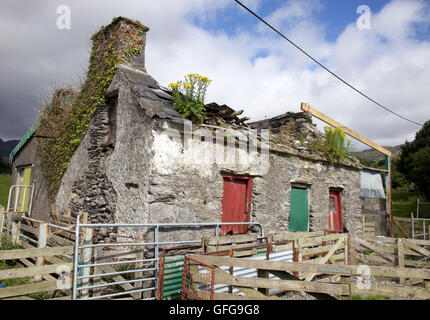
(346,249)
(52,209)
(2,219)
(139,274)
(295,257)
(345,280)
(15,231)
(8,223)
(401,257)
(84,216)
(299,254)
(86,259)
(41,243)
(98,257)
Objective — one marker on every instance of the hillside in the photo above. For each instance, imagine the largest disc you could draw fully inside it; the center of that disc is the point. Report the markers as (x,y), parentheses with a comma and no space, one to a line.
(6,147)
(374,155)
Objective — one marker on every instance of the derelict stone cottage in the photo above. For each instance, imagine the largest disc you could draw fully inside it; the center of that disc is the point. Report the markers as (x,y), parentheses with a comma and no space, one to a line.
(141,161)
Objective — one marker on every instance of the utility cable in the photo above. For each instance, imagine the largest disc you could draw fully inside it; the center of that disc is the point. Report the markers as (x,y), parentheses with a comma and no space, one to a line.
(324,67)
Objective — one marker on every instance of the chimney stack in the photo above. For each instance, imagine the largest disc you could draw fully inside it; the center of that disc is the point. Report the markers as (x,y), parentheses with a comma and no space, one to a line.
(124,39)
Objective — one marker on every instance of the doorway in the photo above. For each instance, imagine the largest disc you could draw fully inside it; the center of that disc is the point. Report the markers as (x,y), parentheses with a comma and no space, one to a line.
(236,203)
(299,210)
(335,222)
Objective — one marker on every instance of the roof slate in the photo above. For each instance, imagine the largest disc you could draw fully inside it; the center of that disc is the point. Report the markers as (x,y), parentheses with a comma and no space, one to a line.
(156,100)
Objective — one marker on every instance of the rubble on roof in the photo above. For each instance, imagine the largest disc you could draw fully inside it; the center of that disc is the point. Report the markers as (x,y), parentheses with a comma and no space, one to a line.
(223,115)
(292,130)
(277,122)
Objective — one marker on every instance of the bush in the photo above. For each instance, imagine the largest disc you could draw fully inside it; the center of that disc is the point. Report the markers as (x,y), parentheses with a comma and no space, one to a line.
(190,95)
(335,147)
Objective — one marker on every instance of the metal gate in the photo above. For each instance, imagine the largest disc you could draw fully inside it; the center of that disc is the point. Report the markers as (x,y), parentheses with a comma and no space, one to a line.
(420,225)
(112,268)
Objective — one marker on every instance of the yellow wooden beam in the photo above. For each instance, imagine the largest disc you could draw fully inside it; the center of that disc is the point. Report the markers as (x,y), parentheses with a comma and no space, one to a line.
(334,123)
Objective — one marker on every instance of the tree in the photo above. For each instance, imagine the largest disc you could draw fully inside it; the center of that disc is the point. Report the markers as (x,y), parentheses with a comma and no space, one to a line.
(5,167)
(398,179)
(414,160)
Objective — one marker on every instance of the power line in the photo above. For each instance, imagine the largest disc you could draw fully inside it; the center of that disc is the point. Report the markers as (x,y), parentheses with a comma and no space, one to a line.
(324,67)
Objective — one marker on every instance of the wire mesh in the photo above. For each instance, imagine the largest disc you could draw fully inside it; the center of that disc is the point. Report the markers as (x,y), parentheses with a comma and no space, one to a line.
(198,280)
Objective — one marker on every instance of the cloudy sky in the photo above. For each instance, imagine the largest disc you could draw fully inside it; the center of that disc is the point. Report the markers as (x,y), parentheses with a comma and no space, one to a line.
(251,67)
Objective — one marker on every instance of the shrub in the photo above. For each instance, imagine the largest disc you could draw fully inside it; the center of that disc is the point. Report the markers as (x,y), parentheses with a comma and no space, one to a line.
(334,146)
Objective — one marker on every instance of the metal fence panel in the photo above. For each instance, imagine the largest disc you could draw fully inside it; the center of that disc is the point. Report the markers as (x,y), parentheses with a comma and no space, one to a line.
(139,282)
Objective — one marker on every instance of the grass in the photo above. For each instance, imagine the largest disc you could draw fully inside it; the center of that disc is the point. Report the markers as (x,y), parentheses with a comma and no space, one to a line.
(6,244)
(5,181)
(404,208)
(406,202)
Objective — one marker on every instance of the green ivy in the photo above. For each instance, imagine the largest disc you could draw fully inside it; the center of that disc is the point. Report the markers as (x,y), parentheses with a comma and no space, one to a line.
(106,55)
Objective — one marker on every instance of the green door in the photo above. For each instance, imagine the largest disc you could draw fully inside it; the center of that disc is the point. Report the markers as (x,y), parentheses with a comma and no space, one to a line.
(23,202)
(299,210)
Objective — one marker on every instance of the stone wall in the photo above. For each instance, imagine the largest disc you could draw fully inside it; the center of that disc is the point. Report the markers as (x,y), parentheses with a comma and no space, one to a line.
(375,211)
(128,166)
(85,185)
(144,178)
(193,193)
(110,180)
(271,201)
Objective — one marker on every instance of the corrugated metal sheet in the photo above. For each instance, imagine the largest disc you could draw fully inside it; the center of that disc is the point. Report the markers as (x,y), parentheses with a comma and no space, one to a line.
(174,267)
(371,185)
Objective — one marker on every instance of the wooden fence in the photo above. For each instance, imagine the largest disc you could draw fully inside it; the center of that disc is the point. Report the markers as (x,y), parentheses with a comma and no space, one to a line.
(403,228)
(232,242)
(42,264)
(391,251)
(203,272)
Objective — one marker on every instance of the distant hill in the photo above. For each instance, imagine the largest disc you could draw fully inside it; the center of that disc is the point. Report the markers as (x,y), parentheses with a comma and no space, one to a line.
(374,155)
(6,147)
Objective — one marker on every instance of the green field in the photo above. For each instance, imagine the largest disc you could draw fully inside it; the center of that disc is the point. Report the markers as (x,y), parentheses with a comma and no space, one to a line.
(406,202)
(5,181)
(404,208)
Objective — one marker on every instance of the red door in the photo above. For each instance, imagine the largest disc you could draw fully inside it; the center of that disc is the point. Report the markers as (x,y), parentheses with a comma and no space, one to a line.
(335,211)
(236,203)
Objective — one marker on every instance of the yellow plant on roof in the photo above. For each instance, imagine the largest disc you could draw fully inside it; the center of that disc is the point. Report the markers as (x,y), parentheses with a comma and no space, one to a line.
(189,96)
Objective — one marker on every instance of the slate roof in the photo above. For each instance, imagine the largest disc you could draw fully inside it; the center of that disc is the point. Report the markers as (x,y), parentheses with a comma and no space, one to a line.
(155,99)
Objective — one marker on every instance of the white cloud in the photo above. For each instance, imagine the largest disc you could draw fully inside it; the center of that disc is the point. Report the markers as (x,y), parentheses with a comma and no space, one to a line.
(386,62)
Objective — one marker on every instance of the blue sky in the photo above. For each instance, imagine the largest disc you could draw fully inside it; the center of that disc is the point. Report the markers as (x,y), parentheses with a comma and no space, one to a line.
(335,15)
(250,66)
